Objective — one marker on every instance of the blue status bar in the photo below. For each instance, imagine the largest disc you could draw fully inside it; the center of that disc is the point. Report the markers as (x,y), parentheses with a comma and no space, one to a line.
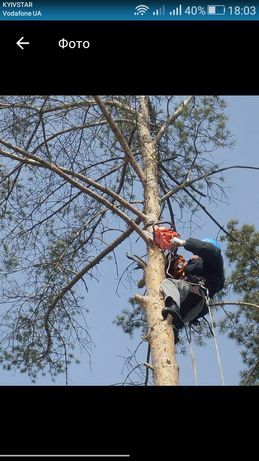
(126,11)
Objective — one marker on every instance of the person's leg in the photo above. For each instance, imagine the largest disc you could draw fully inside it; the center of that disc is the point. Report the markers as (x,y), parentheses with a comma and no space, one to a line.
(171,292)
(193,312)
(175,292)
(193,305)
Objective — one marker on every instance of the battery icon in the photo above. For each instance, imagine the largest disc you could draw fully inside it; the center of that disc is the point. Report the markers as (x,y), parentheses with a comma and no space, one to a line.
(216,9)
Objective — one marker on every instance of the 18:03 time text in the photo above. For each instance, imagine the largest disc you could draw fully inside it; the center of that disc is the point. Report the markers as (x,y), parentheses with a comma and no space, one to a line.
(242,10)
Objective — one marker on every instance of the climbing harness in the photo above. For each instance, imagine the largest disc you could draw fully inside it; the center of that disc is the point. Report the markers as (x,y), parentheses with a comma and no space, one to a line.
(176,265)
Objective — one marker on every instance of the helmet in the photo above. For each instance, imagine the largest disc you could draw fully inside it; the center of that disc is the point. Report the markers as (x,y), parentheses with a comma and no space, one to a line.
(213,242)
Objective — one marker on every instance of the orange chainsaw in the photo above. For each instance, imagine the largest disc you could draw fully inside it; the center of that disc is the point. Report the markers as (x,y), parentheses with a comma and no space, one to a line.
(162,235)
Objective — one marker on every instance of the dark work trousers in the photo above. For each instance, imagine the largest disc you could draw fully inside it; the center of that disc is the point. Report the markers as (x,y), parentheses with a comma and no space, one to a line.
(177,291)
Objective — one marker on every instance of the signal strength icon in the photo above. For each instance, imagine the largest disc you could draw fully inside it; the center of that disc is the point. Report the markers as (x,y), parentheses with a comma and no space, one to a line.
(159,11)
(176,11)
(141,9)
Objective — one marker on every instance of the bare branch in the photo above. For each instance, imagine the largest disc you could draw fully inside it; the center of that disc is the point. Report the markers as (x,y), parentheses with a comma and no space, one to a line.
(148,365)
(8,175)
(243,276)
(121,139)
(171,119)
(107,191)
(237,303)
(200,205)
(76,128)
(92,264)
(141,300)
(66,174)
(203,176)
(138,260)
(67,106)
(25,161)
(250,374)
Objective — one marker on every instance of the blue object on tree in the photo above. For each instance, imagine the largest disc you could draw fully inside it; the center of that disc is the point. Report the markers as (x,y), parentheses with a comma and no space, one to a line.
(214,242)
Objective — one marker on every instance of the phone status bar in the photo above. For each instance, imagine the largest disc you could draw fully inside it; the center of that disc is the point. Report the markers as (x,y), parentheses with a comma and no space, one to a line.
(101,11)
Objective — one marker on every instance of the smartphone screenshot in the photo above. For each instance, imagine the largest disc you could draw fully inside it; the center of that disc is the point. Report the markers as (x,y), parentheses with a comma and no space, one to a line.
(129,227)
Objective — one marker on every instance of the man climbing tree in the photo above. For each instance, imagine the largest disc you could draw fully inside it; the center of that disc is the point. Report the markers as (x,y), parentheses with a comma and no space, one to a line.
(187,294)
(79,175)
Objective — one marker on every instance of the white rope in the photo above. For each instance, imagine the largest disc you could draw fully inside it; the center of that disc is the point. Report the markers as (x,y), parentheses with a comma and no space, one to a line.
(193,360)
(194,365)
(216,345)
(168,265)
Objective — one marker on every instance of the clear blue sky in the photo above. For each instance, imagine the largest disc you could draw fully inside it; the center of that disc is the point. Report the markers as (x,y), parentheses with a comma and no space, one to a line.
(110,342)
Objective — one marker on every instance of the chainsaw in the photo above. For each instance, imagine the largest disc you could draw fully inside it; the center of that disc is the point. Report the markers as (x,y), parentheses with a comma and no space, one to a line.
(163,235)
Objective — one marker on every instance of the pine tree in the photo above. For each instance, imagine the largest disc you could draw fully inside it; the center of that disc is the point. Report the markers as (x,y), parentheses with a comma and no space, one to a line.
(79,175)
(242,323)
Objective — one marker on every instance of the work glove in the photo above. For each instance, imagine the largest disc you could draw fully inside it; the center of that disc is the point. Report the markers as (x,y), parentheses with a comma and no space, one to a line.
(176,242)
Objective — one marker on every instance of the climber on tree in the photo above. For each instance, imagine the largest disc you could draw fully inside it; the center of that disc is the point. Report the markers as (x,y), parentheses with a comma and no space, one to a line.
(187,284)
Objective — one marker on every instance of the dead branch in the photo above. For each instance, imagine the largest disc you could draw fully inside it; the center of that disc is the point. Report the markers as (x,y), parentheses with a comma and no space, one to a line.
(171,119)
(203,176)
(121,139)
(92,264)
(236,303)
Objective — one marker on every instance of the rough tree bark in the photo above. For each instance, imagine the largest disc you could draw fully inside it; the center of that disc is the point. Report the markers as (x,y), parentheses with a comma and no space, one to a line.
(160,333)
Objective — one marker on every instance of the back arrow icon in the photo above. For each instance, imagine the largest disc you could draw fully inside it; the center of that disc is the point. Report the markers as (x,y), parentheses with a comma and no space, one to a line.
(20,43)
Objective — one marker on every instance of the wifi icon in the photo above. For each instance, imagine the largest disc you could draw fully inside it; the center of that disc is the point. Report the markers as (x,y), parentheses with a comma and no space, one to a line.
(141,9)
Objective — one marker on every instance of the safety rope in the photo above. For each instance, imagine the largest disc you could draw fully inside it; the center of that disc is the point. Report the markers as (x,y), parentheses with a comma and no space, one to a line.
(168,265)
(193,360)
(216,344)
(206,299)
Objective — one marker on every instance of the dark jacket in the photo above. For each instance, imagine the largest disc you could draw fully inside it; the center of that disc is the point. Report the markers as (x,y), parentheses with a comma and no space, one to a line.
(208,267)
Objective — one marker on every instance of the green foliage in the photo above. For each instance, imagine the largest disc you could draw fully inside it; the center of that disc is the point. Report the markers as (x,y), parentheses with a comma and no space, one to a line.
(131,320)
(242,325)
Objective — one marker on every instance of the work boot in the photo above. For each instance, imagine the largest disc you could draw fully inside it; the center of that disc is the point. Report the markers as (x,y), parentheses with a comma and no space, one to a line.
(175,312)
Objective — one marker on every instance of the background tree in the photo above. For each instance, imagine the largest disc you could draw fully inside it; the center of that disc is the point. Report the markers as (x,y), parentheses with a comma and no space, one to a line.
(79,175)
(242,323)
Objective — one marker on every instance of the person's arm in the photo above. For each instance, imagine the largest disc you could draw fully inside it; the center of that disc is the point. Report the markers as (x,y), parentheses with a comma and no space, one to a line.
(205,250)
(176,242)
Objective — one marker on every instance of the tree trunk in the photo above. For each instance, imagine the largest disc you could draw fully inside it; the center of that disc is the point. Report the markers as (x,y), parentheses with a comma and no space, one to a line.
(160,332)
